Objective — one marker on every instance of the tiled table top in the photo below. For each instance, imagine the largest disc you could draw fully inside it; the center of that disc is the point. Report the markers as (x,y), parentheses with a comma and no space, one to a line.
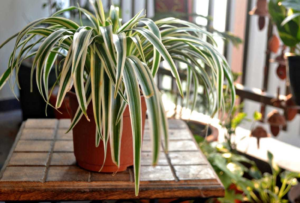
(42,166)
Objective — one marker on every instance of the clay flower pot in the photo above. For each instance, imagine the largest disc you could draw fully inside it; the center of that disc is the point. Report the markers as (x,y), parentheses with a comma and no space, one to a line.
(260,10)
(90,157)
(274,44)
(281,71)
(259,132)
(291,112)
(276,121)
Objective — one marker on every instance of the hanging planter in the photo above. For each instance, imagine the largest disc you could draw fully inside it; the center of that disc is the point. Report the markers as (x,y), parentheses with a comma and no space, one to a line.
(276,121)
(291,112)
(281,72)
(260,10)
(274,44)
(259,132)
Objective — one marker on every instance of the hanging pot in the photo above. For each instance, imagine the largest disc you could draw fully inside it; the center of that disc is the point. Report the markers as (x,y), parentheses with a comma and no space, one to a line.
(281,72)
(274,44)
(260,10)
(294,77)
(291,112)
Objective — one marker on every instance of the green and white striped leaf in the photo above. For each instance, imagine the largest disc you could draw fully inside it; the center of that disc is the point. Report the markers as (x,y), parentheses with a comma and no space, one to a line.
(41,56)
(78,115)
(97,94)
(80,48)
(98,8)
(120,46)
(138,44)
(148,87)
(114,17)
(48,66)
(65,79)
(106,112)
(163,51)
(131,23)
(107,34)
(116,129)
(155,30)
(164,123)
(134,102)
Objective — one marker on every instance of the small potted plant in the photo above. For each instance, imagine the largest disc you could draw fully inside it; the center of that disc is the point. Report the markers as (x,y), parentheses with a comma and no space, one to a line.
(286,16)
(108,70)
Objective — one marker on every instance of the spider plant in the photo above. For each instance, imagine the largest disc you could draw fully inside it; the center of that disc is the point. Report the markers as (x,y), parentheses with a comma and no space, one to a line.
(108,64)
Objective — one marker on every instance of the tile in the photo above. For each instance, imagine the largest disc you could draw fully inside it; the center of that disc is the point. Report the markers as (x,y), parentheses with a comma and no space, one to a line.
(177,124)
(147,147)
(67,173)
(33,146)
(41,123)
(63,159)
(29,159)
(64,123)
(146,135)
(196,172)
(63,146)
(174,134)
(146,127)
(179,134)
(120,176)
(187,158)
(182,145)
(172,123)
(146,159)
(31,174)
(158,173)
(62,135)
(37,134)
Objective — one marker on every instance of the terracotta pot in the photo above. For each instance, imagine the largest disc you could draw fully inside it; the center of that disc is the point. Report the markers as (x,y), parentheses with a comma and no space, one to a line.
(90,157)
(65,109)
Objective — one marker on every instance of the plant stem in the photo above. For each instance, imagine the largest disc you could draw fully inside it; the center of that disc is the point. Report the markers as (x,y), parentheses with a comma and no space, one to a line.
(282,189)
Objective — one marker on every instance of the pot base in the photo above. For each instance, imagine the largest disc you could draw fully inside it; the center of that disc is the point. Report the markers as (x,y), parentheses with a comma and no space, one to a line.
(105,169)
(90,157)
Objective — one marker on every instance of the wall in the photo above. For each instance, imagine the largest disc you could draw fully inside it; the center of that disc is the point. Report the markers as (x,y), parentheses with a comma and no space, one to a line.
(14,15)
(255,72)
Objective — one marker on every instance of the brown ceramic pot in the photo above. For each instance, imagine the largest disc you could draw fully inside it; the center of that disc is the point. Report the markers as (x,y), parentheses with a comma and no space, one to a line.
(90,157)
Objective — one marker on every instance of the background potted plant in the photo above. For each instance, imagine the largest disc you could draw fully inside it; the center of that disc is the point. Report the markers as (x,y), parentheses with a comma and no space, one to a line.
(106,67)
(286,16)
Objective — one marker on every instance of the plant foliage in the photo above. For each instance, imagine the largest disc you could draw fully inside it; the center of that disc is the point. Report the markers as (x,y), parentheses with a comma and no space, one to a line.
(109,62)
(286,16)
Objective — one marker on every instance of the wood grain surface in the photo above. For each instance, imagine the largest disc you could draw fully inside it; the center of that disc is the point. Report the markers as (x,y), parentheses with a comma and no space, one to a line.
(41,167)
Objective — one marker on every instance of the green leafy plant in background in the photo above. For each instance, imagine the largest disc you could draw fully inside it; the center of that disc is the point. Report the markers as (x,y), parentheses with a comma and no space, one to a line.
(265,188)
(286,16)
(230,168)
(108,63)
(236,118)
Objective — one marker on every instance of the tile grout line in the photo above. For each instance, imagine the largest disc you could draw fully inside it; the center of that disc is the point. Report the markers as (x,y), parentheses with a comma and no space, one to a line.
(131,174)
(51,151)
(170,164)
(6,163)
(90,176)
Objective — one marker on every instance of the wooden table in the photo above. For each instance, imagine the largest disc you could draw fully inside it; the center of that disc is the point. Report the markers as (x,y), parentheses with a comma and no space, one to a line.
(41,166)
